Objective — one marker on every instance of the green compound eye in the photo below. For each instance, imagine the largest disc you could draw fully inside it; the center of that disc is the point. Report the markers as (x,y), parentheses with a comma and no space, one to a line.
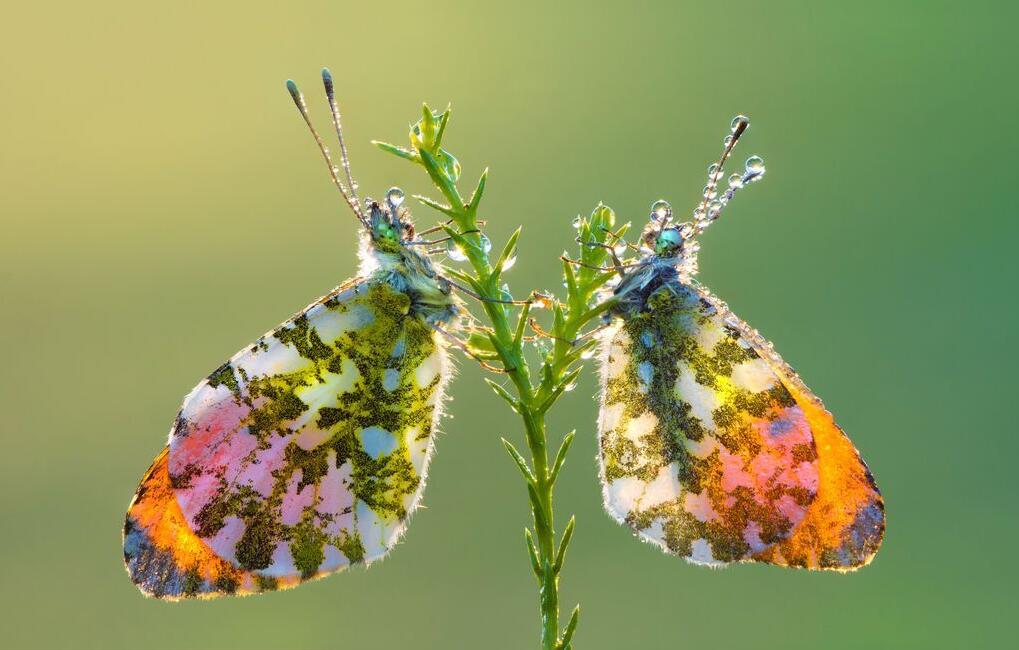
(669,240)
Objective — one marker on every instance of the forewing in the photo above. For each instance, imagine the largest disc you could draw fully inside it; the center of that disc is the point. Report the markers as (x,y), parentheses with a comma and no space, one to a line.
(303,454)
(703,449)
(844,526)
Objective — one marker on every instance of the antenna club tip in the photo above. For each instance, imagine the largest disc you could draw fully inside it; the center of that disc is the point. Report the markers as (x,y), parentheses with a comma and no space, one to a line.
(292,88)
(326,74)
(740,123)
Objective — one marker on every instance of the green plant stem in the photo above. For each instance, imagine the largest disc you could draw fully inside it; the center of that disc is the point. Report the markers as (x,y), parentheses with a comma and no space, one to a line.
(505,343)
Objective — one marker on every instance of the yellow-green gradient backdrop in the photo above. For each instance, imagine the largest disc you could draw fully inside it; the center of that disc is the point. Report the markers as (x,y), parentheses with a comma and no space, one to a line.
(162,205)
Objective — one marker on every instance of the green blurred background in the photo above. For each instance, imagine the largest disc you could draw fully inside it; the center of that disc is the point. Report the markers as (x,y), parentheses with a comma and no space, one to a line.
(150,158)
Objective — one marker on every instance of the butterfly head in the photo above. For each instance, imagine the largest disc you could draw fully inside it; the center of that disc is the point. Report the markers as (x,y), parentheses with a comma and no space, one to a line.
(388,224)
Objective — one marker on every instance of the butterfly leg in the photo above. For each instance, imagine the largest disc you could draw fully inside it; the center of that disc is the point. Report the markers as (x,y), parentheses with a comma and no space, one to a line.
(478,296)
(463,347)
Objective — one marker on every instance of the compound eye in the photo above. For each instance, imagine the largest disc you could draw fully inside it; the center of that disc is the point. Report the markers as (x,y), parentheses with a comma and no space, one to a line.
(669,239)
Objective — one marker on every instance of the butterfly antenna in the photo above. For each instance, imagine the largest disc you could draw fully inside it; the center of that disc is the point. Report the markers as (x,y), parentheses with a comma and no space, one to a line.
(303,108)
(712,204)
(334,108)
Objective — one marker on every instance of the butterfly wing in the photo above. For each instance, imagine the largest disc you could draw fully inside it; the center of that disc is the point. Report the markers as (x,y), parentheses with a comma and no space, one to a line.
(844,526)
(706,449)
(303,454)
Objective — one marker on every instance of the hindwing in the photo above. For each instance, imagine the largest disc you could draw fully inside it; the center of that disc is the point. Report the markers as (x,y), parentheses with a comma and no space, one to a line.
(302,455)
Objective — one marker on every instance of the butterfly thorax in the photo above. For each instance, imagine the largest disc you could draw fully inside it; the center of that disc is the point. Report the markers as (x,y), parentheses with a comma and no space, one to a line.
(388,256)
(670,262)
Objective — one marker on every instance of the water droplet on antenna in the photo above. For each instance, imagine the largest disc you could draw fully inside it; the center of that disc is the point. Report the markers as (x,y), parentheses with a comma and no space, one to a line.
(395,196)
(735,181)
(738,121)
(661,210)
(755,165)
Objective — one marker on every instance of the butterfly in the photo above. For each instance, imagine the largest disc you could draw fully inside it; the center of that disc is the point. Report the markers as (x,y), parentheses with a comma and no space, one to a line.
(710,446)
(307,451)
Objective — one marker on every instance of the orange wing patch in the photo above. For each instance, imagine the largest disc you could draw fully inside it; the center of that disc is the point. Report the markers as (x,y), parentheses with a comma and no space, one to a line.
(845,524)
(166,559)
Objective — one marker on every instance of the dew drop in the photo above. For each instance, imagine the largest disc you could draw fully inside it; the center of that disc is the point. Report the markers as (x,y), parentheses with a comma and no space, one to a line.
(508,263)
(395,196)
(454,251)
(738,121)
(735,181)
(755,165)
(713,172)
(726,141)
(486,244)
(578,221)
(450,165)
(661,210)
(709,192)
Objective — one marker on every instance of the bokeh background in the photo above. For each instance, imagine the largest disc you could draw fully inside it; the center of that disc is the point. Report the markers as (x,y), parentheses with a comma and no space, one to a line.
(162,205)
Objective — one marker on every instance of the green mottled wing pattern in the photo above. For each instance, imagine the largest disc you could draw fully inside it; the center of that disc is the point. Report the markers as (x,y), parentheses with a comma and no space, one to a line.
(303,454)
(703,449)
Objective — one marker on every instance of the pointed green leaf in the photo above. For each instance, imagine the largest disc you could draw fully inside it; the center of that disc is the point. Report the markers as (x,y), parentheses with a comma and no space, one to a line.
(560,456)
(572,294)
(481,340)
(539,515)
(559,389)
(435,205)
(564,543)
(532,553)
(397,151)
(457,274)
(479,191)
(518,336)
(519,460)
(440,128)
(508,251)
(558,320)
(503,393)
(571,627)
